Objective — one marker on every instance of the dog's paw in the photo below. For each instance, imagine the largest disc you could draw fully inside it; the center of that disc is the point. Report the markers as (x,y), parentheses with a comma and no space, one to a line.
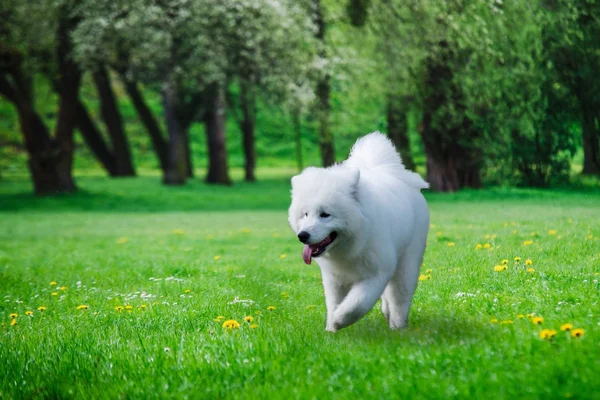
(398,323)
(331,328)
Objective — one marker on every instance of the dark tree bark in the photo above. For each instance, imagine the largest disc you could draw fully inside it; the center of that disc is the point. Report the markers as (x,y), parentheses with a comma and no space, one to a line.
(188,152)
(452,162)
(247,105)
(590,129)
(177,168)
(398,130)
(323,95)
(41,149)
(149,121)
(94,140)
(114,122)
(69,80)
(214,120)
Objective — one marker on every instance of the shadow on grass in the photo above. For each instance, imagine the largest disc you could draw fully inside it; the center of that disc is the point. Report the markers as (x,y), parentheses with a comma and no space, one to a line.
(424,329)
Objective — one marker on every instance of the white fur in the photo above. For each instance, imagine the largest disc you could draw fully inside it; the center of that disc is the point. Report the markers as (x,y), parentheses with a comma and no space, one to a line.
(382,221)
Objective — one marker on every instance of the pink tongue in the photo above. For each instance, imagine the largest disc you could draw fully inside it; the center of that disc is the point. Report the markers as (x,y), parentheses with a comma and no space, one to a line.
(307,254)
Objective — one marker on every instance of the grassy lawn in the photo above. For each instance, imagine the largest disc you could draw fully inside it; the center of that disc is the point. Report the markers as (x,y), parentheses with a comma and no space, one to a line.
(182,257)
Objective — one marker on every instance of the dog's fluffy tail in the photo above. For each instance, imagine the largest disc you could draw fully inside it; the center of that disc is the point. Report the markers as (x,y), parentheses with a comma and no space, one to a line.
(376,151)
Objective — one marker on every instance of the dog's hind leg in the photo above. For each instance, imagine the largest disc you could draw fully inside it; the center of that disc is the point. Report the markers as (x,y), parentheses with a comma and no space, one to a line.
(385,307)
(401,288)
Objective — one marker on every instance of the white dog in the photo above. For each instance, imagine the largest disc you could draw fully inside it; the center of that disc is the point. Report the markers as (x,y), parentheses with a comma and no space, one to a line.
(365,221)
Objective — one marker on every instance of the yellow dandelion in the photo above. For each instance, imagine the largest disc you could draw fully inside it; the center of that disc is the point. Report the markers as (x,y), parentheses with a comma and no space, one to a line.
(128,307)
(566,327)
(487,236)
(428,271)
(547,334)
(122,240)
(505,262)
(14,315)
(248,318)
(520,316)
(119,308)
(487,246)
(178,231)
(506,322)
(552,232)
(438,233)
(231,324)
(494,321)
(424,277)
(478,246)
(500,268)
(63,288)
(54,293)
(285,295)
(246,230)
(530,270)
(219,318)
(450,244)
(13,322)
(537,320)
(271,308)
(283,256)
(82,307)
(253,326)
(517,259)
(216,258)
(29,313)
(577,333)
(41,308)
(187,290)
(527,242)
(53,283)
(142,307)
(528,262)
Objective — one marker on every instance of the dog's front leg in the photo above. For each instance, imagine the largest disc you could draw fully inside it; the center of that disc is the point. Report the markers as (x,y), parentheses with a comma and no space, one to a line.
(360,300)
(335,292)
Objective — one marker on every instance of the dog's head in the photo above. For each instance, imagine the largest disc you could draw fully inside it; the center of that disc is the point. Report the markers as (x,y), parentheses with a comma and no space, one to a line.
(325,212)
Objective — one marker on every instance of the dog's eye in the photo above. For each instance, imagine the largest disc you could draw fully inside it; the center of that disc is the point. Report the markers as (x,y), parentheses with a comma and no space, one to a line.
(324,215)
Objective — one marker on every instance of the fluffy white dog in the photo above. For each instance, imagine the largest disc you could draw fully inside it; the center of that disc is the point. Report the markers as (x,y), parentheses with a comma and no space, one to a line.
(365,221)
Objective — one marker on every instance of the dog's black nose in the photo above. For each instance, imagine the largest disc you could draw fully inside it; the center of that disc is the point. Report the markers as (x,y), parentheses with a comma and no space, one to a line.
(303,236)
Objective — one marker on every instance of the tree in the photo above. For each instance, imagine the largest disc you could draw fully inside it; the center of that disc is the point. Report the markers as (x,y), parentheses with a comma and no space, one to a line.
(571,38)
(29,46)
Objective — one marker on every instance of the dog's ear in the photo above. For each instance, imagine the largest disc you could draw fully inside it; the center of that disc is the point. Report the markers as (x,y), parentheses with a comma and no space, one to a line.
(295,180)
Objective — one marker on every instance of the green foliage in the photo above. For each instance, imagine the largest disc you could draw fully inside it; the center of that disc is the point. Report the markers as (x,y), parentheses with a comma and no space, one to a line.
(174,348)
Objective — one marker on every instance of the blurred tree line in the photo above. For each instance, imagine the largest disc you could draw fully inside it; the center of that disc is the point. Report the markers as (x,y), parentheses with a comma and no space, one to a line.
(500,88)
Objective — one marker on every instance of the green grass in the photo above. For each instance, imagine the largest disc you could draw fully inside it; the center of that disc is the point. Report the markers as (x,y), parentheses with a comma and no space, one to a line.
(450,350)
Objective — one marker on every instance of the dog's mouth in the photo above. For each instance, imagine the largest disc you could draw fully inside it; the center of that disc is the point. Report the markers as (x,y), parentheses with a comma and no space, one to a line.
(315,250)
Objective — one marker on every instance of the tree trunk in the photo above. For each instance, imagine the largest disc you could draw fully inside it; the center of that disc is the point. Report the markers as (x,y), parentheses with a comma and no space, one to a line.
(215,138)
(114,122)
(591,138)
(69,79)
(159,144)
(94,140)
(398,130)
(323,95)
(298,139)
(41,149)
(188,152)
(177,168)
(452,160)
(247,105)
